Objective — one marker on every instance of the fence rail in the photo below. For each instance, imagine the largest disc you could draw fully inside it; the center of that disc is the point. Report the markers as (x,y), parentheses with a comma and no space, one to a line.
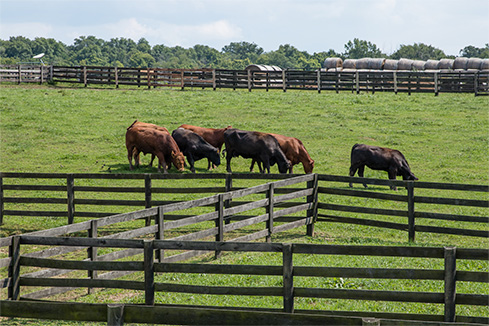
(15,193)
(435,82)
(449,298)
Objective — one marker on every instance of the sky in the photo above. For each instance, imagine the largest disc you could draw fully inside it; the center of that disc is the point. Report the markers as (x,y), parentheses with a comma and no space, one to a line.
(308,25)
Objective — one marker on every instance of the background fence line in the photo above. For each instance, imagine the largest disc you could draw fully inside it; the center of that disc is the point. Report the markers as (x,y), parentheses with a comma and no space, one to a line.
(435,82)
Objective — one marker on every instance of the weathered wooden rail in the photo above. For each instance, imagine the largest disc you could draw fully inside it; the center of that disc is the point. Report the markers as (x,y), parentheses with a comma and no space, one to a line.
(435,82)
(288,271)
(70,191)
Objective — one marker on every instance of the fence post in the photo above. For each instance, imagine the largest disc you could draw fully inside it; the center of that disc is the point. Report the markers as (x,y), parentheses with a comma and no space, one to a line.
(149,275)
(85,76)
(115,314)
(269,210)
(160,232)
(228,187)
(19,69)
(116,77)
(395,81)
(14,269)
(147,195)
(284,81)
(436,84)
(288,277)
(319,80)
(450,283)
(411,218)
(357,82)
(1,199)
(312,213)
(92,251)
(41,70)
(249,80)
(70,189)
(214,84)
(220,223)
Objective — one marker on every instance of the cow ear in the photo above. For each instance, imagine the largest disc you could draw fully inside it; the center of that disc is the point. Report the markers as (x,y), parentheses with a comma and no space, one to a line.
(173,154)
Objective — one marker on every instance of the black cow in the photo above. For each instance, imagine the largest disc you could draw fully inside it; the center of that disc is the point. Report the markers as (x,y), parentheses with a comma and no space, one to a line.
(256,145)
(379,158)
(195,147)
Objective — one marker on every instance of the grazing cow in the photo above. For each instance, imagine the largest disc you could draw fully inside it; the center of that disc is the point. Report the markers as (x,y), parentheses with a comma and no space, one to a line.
(295,152)
(261,147)
(150,126)
(379,158)
(157,142)
(194,147)
(215,137)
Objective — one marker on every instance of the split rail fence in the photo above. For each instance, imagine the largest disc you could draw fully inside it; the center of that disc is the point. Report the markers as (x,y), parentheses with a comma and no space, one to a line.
(287,271)
(355,81)
(462,209)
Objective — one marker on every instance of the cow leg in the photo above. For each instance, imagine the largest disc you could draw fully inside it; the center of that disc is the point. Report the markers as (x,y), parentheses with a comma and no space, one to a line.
(392,176)
(361,169)
(229,156)
(135,154)
(353,170)
(191,162)
(129,156)
(152,159)
(266,165)
(161,162)
(252,165)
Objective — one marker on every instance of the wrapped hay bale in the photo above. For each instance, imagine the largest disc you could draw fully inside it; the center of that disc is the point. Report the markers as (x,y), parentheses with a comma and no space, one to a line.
(349,64)
(390,64)
(376,63)
(333,63)
(405,64)
(474,64)
(460,64)
(431,65)
(485,65)
(418,65)
(446,65)
(362,64)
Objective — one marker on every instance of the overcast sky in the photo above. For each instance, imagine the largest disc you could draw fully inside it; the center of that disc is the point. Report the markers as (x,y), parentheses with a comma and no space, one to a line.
(309,25)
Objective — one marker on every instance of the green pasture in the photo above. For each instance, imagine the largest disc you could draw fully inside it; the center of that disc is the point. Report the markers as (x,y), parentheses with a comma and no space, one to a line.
(445,138)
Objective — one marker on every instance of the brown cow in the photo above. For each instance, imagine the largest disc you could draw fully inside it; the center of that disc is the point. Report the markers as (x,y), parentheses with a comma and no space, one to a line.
(215,137)
(295,152)
(379,158)
(150,126)
(157,142)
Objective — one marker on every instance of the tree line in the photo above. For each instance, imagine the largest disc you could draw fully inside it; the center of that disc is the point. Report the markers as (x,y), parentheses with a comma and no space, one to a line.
(124,52)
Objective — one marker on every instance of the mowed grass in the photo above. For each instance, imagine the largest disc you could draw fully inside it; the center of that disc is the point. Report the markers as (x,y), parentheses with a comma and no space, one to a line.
(444,138)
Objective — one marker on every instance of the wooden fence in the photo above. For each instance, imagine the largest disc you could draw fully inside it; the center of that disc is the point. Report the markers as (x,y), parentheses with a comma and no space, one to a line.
(288,271)
(435,82)
(69,192)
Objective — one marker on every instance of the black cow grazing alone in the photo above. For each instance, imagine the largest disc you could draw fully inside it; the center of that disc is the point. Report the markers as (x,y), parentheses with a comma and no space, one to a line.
(195,147)
(379,158)
(256,145)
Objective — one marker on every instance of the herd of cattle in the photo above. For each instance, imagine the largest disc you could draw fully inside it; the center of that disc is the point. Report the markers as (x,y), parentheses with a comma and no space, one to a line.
(196,143)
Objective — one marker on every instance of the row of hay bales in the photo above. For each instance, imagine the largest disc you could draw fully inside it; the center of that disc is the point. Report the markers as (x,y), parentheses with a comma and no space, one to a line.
(444,65)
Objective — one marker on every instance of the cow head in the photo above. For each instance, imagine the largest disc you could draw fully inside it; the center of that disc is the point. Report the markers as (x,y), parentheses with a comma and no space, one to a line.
(406,173)
(215,157)
(309,166)
(178,160)
(283,166)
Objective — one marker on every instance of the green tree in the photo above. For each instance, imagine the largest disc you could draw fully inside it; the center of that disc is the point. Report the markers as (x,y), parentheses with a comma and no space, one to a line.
(418,51)
(19,47)
(140,59)
(475,52)
(243,50)
(88,51)
(358,49)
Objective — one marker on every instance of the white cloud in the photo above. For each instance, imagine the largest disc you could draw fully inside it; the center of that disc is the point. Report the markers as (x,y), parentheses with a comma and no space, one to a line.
(29,30)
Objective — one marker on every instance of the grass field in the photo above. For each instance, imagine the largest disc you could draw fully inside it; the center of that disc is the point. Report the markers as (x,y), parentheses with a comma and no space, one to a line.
(444,138)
